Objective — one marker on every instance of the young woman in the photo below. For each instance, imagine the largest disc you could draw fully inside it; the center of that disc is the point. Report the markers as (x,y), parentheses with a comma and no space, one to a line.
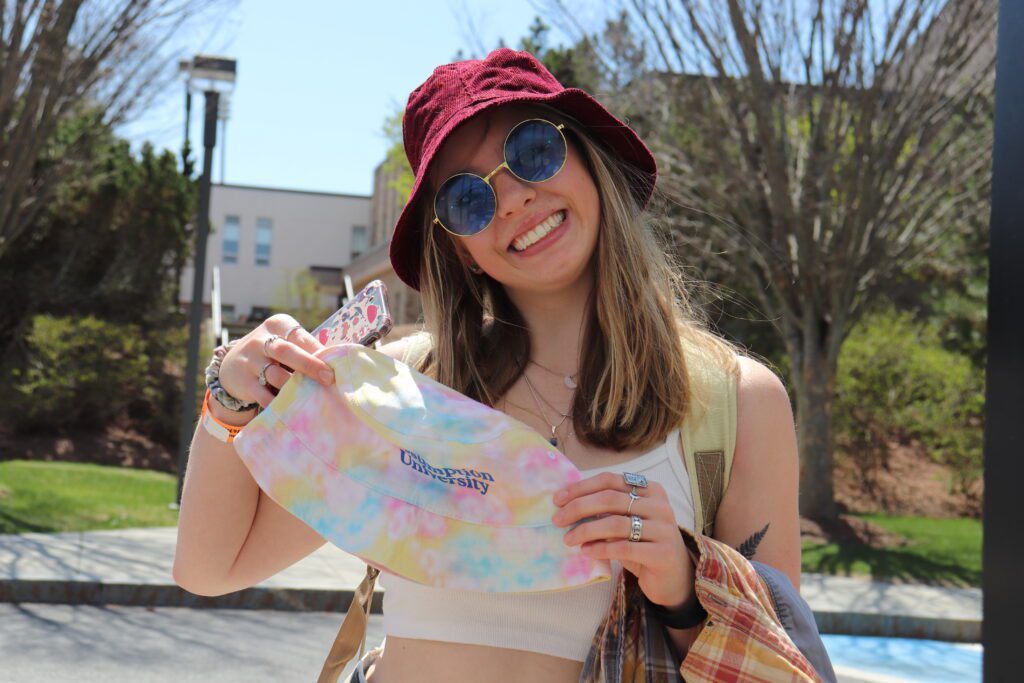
(545,296)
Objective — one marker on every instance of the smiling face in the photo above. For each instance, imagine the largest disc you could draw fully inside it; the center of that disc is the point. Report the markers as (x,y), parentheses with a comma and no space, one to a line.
(508,249)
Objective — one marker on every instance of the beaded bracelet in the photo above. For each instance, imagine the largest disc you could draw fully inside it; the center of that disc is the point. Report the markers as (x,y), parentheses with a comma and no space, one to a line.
(687,617)
(213,382)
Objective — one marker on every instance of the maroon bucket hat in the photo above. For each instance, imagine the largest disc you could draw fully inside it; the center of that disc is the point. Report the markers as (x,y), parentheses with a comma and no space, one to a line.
(458,91)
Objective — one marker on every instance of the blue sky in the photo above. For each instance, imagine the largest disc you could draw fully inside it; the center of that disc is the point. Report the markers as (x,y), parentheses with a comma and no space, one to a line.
(317,78)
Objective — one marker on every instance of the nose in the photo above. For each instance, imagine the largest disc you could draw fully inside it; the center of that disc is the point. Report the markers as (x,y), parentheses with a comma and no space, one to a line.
(513,195)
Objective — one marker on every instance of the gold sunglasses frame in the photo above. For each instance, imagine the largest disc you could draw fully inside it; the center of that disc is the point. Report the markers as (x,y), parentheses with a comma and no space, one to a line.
(503,165)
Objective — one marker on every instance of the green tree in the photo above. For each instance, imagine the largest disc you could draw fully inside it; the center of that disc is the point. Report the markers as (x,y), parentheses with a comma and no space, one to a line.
(395,162)
(59,56)
(896,382)
(112,242)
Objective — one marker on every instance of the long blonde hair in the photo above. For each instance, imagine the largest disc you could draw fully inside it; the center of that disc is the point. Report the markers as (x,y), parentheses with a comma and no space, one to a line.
(634,386)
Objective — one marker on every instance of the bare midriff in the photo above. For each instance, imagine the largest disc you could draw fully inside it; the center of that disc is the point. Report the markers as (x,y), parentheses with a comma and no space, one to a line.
(433,661)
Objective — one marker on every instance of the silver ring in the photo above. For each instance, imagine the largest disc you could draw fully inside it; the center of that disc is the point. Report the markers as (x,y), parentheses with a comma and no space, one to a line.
(267,342)
(289,332)
(634,480)
(636,529)
(263,374)
(632,499)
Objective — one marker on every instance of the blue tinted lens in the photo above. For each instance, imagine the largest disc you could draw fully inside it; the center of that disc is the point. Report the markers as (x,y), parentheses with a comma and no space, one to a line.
(465,204)
(535,151)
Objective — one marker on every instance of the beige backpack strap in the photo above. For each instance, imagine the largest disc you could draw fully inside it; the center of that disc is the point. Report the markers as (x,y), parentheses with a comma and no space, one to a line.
(352,633)
(707,438)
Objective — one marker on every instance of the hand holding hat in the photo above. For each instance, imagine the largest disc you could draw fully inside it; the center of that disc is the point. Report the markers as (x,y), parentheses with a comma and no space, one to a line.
(602,512)
(416,478)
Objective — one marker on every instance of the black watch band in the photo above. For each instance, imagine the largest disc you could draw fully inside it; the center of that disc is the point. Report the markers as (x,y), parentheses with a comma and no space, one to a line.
(688,617)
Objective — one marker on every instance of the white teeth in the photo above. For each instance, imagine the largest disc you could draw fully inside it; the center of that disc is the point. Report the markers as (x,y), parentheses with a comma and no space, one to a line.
(540,231)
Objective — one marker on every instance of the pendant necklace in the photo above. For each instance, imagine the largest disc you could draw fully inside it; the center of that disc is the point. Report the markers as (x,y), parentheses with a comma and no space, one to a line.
(554,439)
(568,380)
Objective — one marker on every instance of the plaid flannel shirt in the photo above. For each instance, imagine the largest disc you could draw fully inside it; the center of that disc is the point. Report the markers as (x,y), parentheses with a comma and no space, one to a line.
(741,640)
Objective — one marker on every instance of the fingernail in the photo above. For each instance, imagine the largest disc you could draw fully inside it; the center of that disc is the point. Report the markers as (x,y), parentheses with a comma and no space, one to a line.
(327,377)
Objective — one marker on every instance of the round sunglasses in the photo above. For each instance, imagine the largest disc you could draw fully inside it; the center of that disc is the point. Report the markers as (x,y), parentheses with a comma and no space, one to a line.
(535,150)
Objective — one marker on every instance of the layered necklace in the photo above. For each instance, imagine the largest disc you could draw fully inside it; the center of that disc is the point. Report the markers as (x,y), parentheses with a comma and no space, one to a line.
(568,380)
(543,416)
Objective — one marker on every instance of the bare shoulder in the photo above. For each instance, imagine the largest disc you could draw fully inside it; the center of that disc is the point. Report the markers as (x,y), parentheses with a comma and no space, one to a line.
(755,376)
(398,348)
(395,349)
(762,402)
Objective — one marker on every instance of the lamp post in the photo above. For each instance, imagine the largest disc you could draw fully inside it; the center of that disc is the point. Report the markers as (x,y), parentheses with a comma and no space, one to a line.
(213,76)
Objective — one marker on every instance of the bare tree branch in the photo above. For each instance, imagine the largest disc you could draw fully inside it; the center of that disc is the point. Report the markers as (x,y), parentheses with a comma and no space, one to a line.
(63,56)
(818,149)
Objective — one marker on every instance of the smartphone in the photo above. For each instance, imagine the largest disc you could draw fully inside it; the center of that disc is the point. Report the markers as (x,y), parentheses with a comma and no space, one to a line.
(364,319)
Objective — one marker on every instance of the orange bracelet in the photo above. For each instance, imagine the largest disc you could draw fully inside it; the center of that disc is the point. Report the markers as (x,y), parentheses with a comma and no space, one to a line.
(221,431)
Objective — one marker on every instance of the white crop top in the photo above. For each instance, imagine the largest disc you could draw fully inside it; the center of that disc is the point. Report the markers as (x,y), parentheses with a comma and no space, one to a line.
(560,623)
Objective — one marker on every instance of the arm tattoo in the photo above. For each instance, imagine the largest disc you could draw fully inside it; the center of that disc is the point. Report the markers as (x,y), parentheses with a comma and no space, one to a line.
(749,546)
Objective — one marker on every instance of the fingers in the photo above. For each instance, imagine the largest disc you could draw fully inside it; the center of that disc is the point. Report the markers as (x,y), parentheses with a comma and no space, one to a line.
(606,502)
(606,480)
(616,528)
(260,394)
(299,359)
(598,482)
(277,376)
(643,554)
(304,340)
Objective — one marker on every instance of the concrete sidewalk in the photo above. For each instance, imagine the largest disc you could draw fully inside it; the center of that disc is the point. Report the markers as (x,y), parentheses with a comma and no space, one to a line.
(133,567)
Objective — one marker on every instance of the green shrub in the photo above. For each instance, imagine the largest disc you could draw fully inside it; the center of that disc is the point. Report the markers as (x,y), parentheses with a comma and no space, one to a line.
(895,380)
(79,372)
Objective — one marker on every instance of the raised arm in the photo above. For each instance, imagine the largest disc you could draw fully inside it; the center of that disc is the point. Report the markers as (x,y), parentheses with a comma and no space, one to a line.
(231,535)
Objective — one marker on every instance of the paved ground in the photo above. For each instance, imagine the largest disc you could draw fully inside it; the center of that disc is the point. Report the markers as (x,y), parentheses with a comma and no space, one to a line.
(132,567)
(114,608)
(114,644)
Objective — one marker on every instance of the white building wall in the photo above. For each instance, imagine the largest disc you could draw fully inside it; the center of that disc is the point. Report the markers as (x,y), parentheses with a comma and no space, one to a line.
(309,229)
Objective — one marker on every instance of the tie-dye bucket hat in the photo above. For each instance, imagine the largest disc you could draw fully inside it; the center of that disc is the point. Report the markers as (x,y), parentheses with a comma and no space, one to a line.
(416,479)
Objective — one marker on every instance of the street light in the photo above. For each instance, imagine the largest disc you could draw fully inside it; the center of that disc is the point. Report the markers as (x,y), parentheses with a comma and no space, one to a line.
(215,78)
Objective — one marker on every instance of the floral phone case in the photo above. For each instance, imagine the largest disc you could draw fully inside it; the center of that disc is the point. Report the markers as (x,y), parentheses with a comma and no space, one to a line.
(363,320)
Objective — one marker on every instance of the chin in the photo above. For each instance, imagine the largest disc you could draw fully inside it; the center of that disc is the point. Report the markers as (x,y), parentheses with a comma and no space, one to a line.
(554,283)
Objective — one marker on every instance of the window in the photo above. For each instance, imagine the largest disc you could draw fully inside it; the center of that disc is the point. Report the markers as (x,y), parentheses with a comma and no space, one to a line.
(264,227)
(232,232)
(360,240)
(260,313)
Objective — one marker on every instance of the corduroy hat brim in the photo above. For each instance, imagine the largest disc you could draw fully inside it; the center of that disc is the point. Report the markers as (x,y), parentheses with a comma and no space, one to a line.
(466,94)
(416,479)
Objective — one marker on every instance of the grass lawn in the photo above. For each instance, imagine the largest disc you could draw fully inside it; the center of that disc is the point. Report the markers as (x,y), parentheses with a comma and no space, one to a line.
(939,551)
(61,496)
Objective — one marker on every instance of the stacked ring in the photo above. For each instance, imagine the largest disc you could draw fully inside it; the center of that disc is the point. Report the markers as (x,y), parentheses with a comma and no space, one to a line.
(633,480)
(632,499)
(636,529)
(263,374)
(267,342)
